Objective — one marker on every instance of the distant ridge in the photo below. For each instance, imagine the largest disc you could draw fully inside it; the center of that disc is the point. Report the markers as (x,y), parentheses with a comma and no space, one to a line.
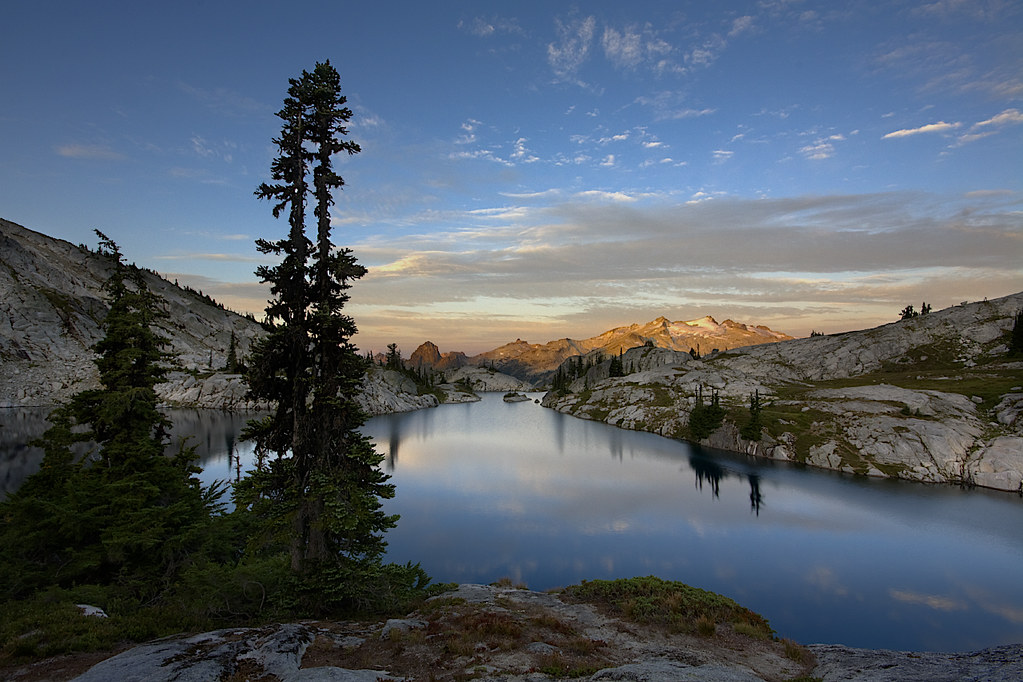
(536,362)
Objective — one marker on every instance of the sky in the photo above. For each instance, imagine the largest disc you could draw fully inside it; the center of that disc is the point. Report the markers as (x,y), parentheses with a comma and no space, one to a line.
(540,170)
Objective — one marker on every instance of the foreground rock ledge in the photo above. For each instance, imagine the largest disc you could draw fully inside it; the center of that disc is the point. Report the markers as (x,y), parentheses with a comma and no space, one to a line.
(501,633)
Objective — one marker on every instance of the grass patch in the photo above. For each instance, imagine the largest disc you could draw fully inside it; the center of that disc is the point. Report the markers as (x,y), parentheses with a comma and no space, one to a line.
(675,606)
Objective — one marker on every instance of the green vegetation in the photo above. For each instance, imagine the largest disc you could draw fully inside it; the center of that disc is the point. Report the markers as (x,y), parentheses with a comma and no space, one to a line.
(705,419)
(675,606)
(130,530)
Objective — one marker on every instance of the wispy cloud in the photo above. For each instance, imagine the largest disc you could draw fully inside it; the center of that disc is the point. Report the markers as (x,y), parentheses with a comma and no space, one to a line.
(572,49)
(219,257)
(992,125)
(634,46)
(669,105)
(97,152)
(225,101)
(939,127)
(484,27)
(822,147)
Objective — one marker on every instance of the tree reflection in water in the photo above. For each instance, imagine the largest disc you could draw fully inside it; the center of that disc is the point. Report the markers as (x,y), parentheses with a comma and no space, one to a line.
(710,472)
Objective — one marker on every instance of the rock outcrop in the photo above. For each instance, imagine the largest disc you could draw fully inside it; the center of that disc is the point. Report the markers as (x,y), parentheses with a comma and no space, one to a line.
(484,379)
(428,356)
(504,634)
(934,398)
(387,390)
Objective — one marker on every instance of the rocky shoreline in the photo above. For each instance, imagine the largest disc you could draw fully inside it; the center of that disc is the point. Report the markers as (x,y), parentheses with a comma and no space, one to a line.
(933,399)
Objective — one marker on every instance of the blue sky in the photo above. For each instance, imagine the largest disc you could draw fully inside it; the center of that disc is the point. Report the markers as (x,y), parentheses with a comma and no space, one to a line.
(538,170)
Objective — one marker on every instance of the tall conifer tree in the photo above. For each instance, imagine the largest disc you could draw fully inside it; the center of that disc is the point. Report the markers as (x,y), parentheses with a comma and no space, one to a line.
(318,485)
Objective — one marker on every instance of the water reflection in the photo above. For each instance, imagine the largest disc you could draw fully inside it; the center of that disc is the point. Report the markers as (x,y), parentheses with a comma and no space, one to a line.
(492,489)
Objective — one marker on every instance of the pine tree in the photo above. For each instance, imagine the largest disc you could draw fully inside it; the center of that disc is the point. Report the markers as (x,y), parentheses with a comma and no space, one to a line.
(232,365)
(752,430)
(317,487)
(124,513)
(1016,336)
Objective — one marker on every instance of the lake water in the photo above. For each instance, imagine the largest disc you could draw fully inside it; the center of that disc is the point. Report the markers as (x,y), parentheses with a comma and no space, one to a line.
(490,490)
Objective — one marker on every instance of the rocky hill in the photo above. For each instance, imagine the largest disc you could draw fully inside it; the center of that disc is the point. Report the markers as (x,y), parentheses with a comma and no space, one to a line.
(428,356)
(934,398)
(52,308)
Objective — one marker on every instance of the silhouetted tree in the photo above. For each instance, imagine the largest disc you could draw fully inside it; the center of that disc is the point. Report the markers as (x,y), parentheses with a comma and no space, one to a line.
(1016,336)
(393,357)
(317,487)
(232,365)
(752,429)
(908,313)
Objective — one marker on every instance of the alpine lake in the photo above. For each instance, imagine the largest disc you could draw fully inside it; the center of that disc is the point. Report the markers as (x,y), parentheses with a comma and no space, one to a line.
(493,490)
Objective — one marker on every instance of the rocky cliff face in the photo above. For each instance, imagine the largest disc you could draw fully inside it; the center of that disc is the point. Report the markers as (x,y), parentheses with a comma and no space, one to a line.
(428,356)
(933,398)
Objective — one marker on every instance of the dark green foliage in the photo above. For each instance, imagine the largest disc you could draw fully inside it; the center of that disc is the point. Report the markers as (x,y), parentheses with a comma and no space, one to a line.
(752,429)
(705,419)
(393,358)
(233,365)
(1016,337)
(317,488)
(908,313)
(616,368)
(123,514)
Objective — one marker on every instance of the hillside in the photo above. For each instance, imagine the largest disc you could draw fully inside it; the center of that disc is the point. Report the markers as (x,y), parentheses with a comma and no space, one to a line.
(51,309)
(934,398)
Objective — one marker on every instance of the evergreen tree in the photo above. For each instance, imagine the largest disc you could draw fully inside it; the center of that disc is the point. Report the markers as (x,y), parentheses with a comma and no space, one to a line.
(124,513)
(908,313)
(1016,337)
(616,368)
(705,419)
(393,357)
(317,488)
(232,365)
(752,429)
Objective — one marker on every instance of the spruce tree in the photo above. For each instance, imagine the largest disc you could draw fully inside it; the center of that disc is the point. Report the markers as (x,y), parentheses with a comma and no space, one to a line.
(124,513)
(318,487)
(1016,336)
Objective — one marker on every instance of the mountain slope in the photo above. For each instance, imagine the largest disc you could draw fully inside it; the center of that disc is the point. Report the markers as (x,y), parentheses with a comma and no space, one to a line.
(52,308)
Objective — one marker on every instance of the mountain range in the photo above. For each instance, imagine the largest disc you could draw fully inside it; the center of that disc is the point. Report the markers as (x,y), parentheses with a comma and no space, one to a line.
(536,362)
